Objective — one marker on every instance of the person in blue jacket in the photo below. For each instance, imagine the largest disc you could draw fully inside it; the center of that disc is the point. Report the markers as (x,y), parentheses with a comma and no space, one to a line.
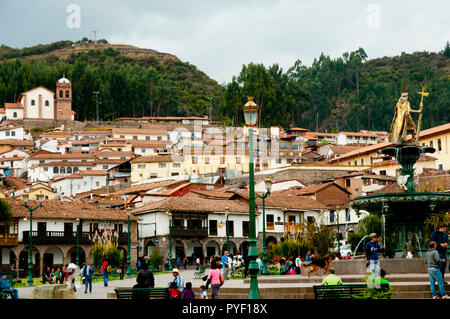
(440,237)
(372,250)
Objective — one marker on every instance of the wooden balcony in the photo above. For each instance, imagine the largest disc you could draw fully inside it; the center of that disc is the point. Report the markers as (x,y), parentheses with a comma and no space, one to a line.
(189,232)
(294,228)
(270,226)
(61,237)
(9,239)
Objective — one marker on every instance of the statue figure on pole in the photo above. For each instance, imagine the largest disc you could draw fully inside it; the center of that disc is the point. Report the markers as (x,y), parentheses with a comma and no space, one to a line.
(402,124)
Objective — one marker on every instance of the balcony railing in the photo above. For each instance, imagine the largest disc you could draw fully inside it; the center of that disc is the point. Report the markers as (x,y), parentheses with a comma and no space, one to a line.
(294,227)
(270,226)
(8,239)
(189,232)
(61,237)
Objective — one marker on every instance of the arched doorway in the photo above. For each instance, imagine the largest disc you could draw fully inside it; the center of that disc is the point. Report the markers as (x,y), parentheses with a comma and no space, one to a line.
(23,263)
(233,248)
(194,250)
(243,248)
(179,250)
(212,249)
(149,248)
(53,257)
(72,254)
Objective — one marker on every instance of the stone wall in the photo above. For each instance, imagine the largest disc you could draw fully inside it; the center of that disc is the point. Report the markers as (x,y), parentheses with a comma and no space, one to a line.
(391,266)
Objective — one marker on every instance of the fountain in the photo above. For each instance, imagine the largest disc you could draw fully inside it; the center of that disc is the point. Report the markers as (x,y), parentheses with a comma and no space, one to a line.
(405,213)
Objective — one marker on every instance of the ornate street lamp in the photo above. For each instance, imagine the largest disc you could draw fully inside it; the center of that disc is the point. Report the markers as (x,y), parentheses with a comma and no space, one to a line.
(30,254)
(250,115)
(78,241)
(227,212)
(170,240)
(129,246)
(268,184)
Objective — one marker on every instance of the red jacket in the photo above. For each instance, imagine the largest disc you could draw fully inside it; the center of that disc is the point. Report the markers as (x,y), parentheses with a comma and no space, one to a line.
(105,263)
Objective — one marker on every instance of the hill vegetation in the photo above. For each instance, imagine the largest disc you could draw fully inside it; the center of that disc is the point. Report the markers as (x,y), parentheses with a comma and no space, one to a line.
(350,92)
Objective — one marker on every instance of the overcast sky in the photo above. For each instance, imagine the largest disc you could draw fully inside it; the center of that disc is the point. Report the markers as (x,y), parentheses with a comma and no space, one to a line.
(220,36)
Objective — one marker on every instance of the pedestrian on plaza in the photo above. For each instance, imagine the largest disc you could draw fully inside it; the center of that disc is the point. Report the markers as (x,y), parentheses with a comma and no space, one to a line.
(260,265)
(197,264)
(433,260)
(177,279)
(188,293)
(87,275)
(371,252)
(440,237)
(308,256)
(138,264)
(122,269)
(225,265)
(5,287)
(71,280)
(381,282)
(298,264)
(106,269)
(178,262)
(52,276)
(185,262)
(332,279)
(216,280)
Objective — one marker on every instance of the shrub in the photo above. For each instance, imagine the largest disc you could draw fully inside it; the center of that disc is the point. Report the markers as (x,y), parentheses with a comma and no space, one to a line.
(105,248)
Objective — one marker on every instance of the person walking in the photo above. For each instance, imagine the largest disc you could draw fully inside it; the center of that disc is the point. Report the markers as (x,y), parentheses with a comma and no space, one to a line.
(308,257)
(185,262)
(122,269)
(88,274)
(106,269)
(197,264)
(188,292)
(216,280)
(440,237)
(225,265)
(434,261)
(332,279)
(371,252)
(298,264)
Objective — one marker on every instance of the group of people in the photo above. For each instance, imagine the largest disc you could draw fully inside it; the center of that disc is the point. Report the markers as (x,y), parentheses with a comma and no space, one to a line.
(52,276)
(435,258)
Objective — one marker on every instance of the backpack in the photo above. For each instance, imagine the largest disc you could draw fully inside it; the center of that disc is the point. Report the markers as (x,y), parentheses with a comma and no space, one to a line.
(108,268)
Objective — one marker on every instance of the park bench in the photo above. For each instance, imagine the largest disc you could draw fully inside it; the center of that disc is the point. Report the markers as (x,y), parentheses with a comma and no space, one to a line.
(345,291)
(142,293)
(200,273)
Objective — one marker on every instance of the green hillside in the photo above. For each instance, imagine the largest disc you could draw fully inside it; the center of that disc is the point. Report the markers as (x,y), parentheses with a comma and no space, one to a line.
(351,92)
(132,82)
(348,93)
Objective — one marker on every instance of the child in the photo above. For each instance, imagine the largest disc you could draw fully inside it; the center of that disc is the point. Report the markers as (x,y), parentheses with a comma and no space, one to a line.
(188,293)
(173,291)
(203,294)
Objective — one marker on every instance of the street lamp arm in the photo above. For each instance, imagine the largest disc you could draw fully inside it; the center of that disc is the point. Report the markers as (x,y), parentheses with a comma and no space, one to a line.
(263,196)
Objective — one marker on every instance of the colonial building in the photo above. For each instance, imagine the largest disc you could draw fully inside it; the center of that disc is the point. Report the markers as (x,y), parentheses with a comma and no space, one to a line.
(54,234)
(41,103)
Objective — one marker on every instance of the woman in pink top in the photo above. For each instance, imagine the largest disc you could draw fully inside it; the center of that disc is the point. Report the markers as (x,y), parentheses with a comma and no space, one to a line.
(214,277)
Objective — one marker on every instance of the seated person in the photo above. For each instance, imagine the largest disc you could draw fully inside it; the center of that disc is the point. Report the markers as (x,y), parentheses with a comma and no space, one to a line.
(46,276)
(332,279)
(6,287)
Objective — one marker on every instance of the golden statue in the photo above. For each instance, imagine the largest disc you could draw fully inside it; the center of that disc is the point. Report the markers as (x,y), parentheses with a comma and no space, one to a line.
(403,123)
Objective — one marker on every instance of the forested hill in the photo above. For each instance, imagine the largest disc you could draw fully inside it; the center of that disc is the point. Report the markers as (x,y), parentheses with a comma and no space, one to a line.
(348,93)
(132,82)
